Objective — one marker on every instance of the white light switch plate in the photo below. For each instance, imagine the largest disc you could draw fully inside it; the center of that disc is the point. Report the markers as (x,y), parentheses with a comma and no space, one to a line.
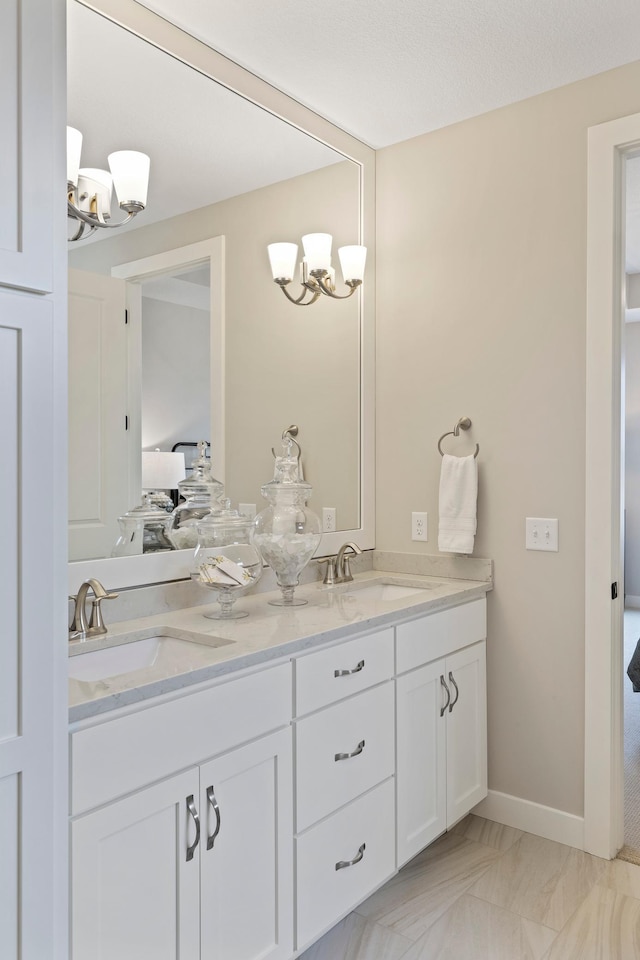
(541,533)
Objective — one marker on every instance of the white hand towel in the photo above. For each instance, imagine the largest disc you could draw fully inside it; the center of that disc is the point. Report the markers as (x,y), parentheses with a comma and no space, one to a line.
(458,504)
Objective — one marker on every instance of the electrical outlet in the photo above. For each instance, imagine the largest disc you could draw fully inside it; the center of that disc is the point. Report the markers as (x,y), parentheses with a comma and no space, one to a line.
(328,519)
(419,528)
(248,509)
(541,533)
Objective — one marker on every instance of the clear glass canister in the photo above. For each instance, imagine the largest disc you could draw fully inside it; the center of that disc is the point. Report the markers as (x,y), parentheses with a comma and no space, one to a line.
(226,561)
(201,493)
(287,533)
(142,530)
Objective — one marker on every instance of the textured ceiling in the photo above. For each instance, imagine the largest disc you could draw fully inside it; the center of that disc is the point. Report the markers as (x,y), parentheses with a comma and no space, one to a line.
(387,70)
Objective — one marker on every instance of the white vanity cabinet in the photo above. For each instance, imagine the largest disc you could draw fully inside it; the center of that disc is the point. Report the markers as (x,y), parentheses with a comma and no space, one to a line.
(198,864)
(345,762)
(441,723)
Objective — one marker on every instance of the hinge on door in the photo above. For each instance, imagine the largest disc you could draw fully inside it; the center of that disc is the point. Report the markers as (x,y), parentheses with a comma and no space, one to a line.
(126,422)
(614,590)
(126,317)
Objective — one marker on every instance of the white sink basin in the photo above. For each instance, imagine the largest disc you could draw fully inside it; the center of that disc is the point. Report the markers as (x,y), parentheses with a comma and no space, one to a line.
(388,592)
(137,655)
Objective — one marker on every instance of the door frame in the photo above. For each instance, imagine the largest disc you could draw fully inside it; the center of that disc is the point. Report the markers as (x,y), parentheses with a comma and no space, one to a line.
(608,146)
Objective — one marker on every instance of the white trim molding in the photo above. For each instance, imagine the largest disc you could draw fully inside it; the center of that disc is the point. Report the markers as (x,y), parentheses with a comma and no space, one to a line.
(532,817)
(608,146)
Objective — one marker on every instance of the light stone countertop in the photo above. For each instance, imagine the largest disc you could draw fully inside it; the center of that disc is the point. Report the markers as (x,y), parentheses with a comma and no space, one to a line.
(268,634)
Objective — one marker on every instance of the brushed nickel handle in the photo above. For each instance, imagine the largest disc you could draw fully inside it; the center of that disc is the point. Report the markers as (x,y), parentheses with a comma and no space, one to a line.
(354,753)
(443,684)
(455,687)
(347,673)
(211,799)
(191,807)
(342,864)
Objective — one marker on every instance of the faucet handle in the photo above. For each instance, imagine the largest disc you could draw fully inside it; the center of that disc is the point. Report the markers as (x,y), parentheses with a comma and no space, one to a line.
(96,622)
(330,574)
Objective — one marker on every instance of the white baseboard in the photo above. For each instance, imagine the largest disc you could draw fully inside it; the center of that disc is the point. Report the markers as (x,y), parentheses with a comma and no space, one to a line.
(531,817)
(631,603)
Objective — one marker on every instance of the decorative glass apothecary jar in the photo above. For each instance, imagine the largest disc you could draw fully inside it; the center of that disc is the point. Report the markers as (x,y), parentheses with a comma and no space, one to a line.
(202,494)
(225,559)
(287,533)
(142,530)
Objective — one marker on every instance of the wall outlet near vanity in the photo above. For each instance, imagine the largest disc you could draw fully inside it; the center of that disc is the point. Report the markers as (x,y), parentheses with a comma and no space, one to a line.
(419,526)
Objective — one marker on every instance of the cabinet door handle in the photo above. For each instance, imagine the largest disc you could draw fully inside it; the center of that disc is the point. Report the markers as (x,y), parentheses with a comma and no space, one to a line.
(448,692)
(455,687)
(341,864)
(354,753)
(191,807)
(211,800)
(347,673)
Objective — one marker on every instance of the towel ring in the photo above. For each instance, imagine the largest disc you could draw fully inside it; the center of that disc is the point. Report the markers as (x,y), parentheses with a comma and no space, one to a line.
(463,424)
(290,433)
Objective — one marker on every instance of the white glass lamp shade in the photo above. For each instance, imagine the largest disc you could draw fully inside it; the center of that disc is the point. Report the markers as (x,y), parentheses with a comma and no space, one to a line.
(317,250)
(94,183)
(283,257)
(161,470)
(352,261)
(130,170)
(74,149)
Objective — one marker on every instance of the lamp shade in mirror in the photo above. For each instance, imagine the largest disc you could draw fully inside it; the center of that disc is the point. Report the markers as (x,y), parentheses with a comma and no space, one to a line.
(162,470)
(317,251)
(74,149)
(352,261)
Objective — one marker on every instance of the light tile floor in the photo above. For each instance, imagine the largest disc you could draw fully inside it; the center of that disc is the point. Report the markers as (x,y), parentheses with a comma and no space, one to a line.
(487,892)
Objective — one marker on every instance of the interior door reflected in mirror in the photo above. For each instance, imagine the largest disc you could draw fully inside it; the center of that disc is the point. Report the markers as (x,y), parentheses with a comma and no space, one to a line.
(150,365)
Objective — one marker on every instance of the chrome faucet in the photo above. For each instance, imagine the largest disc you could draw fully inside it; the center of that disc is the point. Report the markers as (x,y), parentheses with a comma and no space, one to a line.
(80,628)
(338,566)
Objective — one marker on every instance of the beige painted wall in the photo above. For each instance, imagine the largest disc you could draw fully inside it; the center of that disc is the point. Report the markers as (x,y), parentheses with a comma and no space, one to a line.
(285,364)
(481,312)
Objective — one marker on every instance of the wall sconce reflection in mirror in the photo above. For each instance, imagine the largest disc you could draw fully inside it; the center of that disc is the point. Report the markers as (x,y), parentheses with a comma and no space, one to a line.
(316,273)
(89,190)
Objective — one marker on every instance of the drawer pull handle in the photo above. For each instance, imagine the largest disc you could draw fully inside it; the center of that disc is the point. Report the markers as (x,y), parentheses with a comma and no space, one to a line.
(455,687)
(448,692)
(191,808)
(342,864)
(347,673)
(211,800)
(354,753)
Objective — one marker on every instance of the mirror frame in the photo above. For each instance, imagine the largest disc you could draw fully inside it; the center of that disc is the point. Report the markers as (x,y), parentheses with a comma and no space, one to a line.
(123,572)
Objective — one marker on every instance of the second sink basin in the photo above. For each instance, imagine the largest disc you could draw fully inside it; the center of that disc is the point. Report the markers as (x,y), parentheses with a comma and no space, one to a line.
(388,592)
(137,655)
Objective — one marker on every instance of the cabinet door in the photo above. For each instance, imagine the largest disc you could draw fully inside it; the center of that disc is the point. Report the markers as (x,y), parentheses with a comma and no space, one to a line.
(247,852)
(29,72)
(421,759)
(466,731)
(135,896)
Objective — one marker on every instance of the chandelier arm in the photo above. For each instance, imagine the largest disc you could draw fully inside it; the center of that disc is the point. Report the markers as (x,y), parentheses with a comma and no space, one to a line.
(95,220)
(300,301)
(335,296)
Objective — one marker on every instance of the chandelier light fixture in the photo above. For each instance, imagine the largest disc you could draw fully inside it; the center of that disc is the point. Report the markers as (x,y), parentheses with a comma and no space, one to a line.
(89,190)
(316,273)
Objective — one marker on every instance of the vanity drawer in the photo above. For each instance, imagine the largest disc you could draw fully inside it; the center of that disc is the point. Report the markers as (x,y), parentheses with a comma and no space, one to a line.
(325,893)
(439,634)
(359,663)
(124,754)
(363,726)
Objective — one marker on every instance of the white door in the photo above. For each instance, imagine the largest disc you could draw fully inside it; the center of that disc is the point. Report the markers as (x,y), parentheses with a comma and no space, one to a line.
(247,852)
(466,731)
(98,415)
(134,893)
(421,759)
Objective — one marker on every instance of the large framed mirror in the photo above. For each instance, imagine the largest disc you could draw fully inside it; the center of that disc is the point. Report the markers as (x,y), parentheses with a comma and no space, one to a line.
(235,165)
